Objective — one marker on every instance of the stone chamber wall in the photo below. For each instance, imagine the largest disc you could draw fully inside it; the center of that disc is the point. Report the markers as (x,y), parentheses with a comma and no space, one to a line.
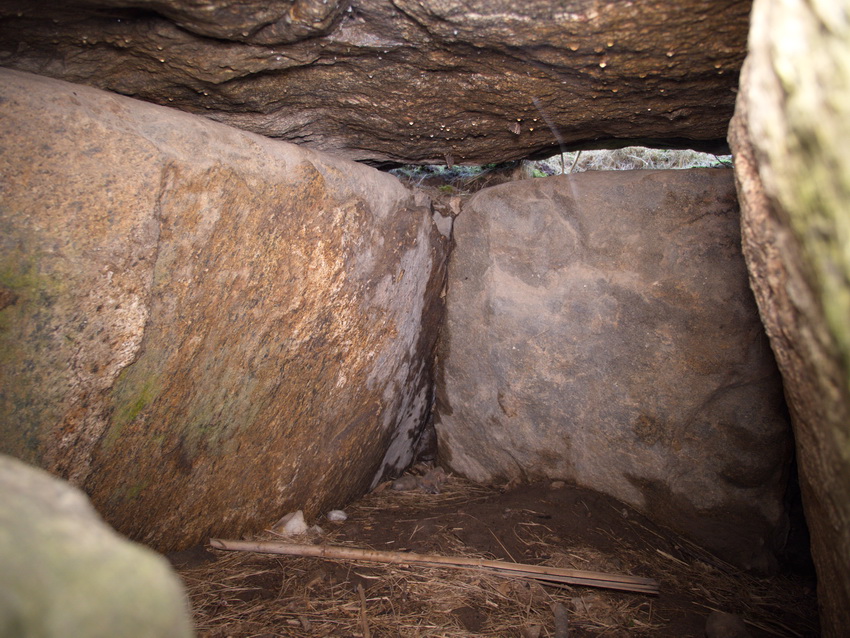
(215,307)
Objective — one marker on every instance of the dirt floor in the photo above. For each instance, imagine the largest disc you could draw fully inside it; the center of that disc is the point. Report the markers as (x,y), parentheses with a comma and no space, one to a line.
(242,594)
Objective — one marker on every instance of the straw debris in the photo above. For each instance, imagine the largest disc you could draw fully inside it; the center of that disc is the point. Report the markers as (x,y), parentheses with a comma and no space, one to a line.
(247,594)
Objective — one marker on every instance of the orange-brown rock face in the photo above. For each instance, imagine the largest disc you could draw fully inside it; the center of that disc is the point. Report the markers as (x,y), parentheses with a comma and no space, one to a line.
(406,80)
(201,326)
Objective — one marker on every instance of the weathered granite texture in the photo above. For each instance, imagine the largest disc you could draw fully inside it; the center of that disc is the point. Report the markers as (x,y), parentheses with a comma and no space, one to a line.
(600,329)
(202,327)
(790,135)
(409,81)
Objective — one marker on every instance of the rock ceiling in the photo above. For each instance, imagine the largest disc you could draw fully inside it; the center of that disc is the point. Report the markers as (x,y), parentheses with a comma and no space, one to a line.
(407,81)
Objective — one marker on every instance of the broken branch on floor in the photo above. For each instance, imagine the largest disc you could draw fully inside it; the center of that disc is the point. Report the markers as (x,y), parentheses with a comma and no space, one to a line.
(543,573)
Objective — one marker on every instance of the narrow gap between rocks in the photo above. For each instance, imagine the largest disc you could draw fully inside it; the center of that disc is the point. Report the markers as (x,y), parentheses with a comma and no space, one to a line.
(457,178)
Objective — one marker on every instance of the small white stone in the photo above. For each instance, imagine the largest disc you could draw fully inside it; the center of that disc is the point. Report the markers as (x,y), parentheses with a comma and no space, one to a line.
(293,524)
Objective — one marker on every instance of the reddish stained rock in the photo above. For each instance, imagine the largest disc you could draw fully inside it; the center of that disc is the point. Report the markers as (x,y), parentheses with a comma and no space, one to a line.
(409,81)
(203,327)
(790,136)
(600,329)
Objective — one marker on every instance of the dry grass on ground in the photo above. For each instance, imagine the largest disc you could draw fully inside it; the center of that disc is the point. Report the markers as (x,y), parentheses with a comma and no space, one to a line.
(247,594)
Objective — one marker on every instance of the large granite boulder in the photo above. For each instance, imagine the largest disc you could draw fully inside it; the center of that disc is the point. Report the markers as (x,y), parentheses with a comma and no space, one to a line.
(600,329)
(407,81)
(203,327)
(790,135)
(63,572)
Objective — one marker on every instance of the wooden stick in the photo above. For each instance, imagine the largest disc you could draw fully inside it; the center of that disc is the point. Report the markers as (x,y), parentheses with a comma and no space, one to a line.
(556,575)
(363,620)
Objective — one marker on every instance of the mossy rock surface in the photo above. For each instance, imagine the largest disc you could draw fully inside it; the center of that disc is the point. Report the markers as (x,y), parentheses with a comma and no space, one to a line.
(790,135)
